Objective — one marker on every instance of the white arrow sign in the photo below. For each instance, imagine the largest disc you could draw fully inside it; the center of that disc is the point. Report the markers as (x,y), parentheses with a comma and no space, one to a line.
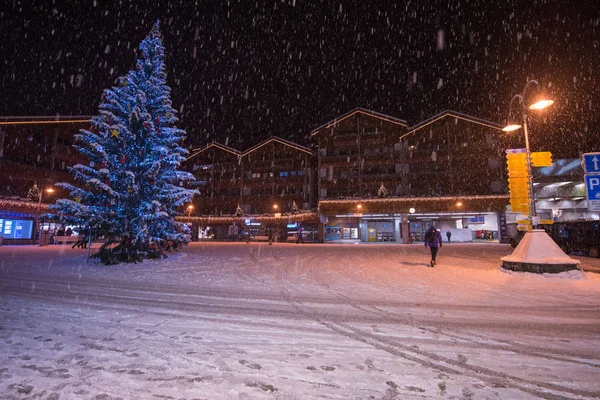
(591,163)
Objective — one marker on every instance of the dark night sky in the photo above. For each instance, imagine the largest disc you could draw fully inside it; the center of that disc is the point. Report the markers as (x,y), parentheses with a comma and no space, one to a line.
(241,71)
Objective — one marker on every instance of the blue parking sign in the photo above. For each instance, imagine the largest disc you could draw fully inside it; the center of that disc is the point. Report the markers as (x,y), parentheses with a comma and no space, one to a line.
(592,184)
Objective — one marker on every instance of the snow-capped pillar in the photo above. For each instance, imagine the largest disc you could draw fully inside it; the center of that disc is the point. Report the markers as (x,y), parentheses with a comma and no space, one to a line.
(538,253)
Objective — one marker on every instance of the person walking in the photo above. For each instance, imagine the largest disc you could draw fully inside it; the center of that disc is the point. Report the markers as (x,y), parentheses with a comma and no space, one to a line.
(448,235)
(234,231)
(433,239)
(300,238)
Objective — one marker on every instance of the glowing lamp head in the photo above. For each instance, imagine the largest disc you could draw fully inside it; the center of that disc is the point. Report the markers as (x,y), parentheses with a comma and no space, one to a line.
(190,207)
(359,206)
(541,104)
(412,210)
(512,127)
(459,204)
(50,190)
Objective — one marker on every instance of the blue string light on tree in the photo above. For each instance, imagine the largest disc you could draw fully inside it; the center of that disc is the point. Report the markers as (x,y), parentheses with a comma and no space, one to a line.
(133,197)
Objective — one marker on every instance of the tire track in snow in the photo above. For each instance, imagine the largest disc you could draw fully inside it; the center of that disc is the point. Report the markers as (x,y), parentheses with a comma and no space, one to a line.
(432,360)
(464,337)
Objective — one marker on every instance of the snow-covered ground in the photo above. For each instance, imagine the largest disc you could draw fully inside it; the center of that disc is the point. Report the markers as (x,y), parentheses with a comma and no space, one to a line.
(252,321)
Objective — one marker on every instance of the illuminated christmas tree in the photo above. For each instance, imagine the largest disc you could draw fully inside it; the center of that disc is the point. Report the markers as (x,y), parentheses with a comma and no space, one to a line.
(132,188)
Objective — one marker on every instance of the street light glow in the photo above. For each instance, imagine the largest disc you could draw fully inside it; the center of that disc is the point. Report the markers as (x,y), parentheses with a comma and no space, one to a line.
(510,128)
(50,190)
(541,104)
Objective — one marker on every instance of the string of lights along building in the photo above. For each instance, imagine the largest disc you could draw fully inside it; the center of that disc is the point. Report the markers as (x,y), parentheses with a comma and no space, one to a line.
(365,176)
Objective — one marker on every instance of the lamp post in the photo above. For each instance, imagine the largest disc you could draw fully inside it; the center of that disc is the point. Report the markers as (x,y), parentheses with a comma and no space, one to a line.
(49,190)
(539,102)
(190,208)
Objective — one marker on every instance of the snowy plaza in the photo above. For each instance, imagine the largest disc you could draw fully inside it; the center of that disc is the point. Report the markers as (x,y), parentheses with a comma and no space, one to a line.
(253,321)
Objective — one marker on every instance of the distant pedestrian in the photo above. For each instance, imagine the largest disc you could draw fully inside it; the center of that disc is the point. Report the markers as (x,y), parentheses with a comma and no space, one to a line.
(300,238)
(270,236)
(68,232)
(235,230)
(433,239)
(448,235)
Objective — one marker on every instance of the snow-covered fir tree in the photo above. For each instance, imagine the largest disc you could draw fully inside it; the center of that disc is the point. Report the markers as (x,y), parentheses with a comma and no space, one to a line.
(132,187)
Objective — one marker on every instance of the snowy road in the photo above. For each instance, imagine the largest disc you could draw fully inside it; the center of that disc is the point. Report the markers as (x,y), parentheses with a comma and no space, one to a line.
(251,321)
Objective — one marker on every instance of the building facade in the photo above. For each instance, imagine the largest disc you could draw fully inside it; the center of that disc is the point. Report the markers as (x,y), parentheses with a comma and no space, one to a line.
(35,153)
(368,177)
(383,181)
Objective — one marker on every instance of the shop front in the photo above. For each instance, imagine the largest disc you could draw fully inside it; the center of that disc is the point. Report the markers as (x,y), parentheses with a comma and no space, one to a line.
(342,228)
(17,228)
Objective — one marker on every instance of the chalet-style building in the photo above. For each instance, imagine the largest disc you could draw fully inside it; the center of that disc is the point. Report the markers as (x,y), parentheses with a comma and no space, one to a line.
(379,179)
(367,177)
(272,175)
(359,152)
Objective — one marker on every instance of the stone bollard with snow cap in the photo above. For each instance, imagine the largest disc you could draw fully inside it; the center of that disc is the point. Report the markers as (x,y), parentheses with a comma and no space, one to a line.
(538,253)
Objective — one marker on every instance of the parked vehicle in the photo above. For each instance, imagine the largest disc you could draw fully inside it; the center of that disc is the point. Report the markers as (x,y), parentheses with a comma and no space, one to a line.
(578,236)
(571,236)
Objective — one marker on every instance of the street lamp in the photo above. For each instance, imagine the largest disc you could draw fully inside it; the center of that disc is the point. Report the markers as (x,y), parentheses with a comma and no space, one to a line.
(189,209)
(49,190)
(538,101)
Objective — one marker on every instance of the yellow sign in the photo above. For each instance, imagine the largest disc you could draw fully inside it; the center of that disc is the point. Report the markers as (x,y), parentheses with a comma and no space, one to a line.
(523,209)
(523,228)
(523,221)
(546,222)
(541,159)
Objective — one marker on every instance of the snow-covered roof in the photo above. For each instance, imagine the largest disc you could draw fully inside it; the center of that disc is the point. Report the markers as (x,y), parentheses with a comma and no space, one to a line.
(363,111)
(277,140)
(240,153)
(200,150)
(454,114)
(44,119)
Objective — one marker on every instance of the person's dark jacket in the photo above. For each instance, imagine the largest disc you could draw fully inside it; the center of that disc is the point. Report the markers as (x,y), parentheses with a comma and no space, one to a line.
(437,238)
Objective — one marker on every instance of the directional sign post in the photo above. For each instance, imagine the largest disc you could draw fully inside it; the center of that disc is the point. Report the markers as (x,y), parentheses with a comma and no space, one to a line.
(591,163)
(591,166)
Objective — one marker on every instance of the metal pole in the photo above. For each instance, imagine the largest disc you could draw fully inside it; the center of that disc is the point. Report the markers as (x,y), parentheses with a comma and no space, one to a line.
(532,210)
